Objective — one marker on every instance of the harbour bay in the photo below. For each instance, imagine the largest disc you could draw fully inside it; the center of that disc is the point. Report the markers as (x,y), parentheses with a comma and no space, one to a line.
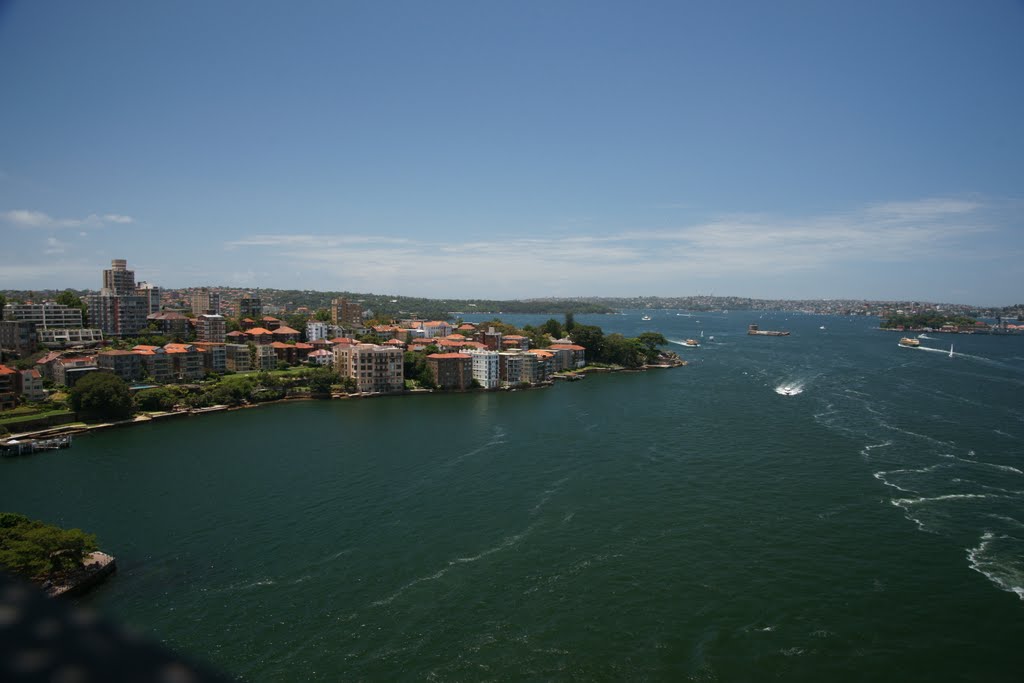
(675,524)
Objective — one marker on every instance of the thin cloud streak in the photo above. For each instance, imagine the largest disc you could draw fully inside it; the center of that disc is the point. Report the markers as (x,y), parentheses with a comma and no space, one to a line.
(729,246)
(26,218)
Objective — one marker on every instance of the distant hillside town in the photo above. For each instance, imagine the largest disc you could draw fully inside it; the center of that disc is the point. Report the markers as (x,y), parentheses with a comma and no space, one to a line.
(148,337)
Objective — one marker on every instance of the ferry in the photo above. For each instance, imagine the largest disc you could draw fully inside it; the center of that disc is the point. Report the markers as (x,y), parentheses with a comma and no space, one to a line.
(909,342)
(753,329)
(691,342)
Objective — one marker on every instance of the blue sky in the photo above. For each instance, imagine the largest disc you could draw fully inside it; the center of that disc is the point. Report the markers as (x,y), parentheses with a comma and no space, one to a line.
(518,149)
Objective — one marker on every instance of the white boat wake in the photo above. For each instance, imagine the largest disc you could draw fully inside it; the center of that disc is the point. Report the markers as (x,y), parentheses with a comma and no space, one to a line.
(791,389)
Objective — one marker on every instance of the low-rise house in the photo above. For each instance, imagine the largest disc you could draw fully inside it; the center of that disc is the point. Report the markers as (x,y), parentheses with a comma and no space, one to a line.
(321,357)
(70,369)
(45,364)
(286,334)
(260,336)
(29,384)
(451,370)
(269,322)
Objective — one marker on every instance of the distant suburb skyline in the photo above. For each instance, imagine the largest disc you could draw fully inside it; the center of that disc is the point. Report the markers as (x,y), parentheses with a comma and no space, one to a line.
(512,150)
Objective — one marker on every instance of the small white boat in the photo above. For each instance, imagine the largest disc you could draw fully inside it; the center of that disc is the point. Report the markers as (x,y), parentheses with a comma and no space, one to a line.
(950,350)
(646,317)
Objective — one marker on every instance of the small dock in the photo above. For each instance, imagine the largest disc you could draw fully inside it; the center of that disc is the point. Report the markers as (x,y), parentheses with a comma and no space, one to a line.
(14,447)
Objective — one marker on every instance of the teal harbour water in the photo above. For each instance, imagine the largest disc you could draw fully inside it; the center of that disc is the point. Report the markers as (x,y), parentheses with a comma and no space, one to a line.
(686,524)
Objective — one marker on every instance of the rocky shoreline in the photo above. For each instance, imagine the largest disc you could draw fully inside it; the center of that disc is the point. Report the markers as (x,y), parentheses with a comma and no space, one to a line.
(96,568)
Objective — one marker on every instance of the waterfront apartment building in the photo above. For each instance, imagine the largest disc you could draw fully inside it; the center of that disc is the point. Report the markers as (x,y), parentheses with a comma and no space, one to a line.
(485,368)
(156,362)
(187,360)
(125,364)
(45,315)
(215,356)
(451,370)
(238,357)
(375,368)
(211,328)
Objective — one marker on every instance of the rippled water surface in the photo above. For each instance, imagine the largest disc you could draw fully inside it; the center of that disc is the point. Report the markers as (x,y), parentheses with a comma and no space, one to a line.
(823,506)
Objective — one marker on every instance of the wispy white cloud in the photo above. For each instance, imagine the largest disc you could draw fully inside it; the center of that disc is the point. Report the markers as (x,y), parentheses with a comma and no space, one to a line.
(729,246)
(55,246)
(26,218)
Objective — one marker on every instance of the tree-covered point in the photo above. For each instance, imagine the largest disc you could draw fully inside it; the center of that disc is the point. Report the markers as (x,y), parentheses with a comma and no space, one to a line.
(35,550)
(102,396)
(932,319)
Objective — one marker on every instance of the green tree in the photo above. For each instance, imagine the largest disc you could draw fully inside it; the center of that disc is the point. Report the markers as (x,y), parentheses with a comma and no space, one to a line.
(570,322)
(102,396)
(33,549)
(554,328)
(155,399)
(323,315)
(591,337)
(70,299)
(3,302)
(321,380)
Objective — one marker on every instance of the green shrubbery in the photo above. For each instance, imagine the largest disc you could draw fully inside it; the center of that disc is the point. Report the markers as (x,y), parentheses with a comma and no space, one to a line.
(33,549)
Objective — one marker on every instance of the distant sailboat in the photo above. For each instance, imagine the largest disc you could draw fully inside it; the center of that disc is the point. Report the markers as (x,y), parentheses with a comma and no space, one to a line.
(950,350)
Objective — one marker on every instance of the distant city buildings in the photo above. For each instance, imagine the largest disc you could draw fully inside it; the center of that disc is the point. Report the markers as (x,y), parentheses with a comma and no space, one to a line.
(346,314)
(118,311)
(205,302)
(45,315)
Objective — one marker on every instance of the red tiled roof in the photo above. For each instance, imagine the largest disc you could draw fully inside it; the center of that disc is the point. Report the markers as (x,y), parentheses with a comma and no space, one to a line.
(284,329)
(569,347)
(257,331)
(4,370)
(342,340)
(450,355)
